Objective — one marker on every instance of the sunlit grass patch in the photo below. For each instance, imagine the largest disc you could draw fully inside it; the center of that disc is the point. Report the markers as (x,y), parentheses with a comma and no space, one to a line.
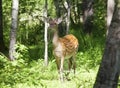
(36,75)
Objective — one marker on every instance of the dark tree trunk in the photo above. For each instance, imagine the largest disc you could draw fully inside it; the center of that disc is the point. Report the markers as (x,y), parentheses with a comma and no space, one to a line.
(15,4)
(2,44)
(87,8)
(59,12)
(109,70)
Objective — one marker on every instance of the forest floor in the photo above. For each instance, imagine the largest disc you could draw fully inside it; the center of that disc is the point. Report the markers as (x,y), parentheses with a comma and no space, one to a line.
(26,72)
(81,80)
(35,75)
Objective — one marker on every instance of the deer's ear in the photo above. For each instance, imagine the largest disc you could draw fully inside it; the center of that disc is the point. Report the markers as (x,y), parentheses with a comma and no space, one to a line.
(59,20)
(46,19)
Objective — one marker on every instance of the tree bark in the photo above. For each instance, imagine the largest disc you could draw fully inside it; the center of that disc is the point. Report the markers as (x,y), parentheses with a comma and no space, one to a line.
(109,70)
(110,10)
(59,11)
(67,5)
(15,6)
(45,36)
(2,44)
(87,8)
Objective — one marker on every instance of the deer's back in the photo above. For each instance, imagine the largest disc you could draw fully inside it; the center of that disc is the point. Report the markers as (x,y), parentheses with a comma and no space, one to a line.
(69,44)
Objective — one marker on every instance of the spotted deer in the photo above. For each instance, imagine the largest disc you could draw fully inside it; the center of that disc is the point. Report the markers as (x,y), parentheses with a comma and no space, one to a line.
(63,48)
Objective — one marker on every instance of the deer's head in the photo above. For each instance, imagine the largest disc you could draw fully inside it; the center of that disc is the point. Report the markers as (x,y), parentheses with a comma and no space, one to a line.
(53,23)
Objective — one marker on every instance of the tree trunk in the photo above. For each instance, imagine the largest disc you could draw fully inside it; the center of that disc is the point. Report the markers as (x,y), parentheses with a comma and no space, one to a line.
(45,36)
(15,6)
(87,15)
(110,10)
(2,44)
(59,11)
(109,70)
(67,5)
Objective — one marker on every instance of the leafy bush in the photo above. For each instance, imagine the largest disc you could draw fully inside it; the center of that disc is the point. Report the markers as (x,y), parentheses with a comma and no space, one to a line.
(21,51)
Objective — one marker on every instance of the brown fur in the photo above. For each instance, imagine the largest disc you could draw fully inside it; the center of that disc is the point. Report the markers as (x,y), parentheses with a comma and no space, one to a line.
(64,48)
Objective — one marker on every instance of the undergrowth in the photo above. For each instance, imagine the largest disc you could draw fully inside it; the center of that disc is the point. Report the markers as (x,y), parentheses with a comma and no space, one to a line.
(17,74)
(27,72)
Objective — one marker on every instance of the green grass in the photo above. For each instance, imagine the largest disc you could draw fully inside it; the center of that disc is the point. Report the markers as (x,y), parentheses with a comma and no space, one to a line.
(20,74)
(28,70)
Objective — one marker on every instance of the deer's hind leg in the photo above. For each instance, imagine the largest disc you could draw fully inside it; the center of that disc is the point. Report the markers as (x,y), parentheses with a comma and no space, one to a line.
(72,63)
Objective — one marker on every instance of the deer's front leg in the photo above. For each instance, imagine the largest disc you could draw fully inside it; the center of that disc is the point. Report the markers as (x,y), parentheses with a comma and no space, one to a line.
(58,64)
(61,69)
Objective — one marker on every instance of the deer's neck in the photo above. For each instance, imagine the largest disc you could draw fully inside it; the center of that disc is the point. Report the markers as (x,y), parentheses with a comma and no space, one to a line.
(55,38)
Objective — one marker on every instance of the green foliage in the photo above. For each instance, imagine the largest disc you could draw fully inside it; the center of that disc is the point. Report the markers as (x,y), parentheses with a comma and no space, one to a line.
(100,12)
(34,74)
(21,51)
(6,19)
(28,70)
(90,58)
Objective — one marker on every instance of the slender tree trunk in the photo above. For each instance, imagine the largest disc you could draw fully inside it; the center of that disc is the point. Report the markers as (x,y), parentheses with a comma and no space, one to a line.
(2,44)
(45,36)
(67,5)
(109,70)
(87,15)
(15,6)
(59,12)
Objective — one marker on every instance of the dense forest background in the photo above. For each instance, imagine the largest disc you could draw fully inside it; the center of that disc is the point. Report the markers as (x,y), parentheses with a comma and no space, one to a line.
(31,28)
(87,23)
